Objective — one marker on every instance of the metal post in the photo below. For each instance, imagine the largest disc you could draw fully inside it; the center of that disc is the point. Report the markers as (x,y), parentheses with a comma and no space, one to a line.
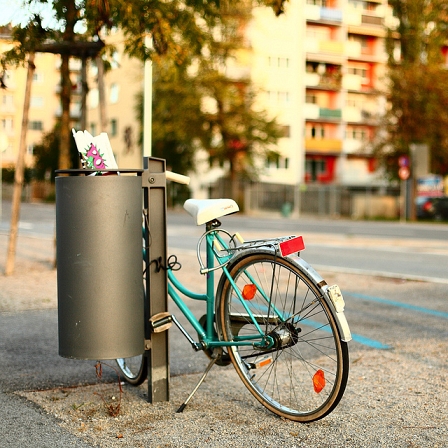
(156,297)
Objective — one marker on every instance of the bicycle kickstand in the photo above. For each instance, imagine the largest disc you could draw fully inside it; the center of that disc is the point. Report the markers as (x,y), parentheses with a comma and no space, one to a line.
(210,365)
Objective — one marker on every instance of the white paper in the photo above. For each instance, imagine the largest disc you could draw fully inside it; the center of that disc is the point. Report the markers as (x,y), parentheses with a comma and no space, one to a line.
(96,152)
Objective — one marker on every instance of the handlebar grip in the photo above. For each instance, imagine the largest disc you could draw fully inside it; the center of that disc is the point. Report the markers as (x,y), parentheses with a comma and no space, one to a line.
(179,178)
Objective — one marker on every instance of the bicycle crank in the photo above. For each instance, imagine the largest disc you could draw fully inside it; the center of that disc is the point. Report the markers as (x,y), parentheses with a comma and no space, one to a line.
(222,357)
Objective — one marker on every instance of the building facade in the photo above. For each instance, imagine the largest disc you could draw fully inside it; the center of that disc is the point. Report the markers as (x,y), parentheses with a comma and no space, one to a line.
(322,68)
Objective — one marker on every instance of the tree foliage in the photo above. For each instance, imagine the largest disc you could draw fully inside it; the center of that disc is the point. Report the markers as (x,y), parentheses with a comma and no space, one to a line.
(174,30)
(198,102)
(46,154)
(177,27)
(417,91)
(178,123)
(238,131)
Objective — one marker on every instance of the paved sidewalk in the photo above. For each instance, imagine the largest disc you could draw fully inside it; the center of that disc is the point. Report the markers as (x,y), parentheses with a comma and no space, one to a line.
(32,287)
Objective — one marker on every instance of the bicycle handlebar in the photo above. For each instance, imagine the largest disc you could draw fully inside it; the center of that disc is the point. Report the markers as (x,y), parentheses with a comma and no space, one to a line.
(179,178)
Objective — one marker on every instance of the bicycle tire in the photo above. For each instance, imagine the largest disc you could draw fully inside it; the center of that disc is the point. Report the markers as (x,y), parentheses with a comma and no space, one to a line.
(302,377)
(134,370)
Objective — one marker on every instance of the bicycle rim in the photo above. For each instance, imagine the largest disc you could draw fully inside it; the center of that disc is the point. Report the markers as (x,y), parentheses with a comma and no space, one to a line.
(134,370)
(303,375)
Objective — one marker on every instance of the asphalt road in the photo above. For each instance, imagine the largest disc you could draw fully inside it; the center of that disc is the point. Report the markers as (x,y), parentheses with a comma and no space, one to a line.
(329,243)
(412,250)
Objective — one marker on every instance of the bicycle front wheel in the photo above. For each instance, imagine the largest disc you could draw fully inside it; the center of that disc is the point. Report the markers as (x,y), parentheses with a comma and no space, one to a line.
(135,369)
(301,371)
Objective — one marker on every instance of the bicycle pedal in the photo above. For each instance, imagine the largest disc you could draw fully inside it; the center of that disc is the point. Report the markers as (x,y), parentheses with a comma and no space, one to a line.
(263,362)
(161,322)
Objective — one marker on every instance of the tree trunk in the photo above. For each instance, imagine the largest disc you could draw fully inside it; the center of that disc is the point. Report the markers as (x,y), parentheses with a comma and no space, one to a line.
(18,177)
(71,17)
(84,92)
(101,94)
(66,93)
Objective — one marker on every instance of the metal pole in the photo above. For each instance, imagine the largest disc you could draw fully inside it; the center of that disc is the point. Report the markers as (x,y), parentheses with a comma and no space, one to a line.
(147,104)
(156,297)
(404,199)
(3,147)
(1,184)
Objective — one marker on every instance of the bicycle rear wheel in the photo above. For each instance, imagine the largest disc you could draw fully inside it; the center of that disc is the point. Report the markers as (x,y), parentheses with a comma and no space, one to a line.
(302,375)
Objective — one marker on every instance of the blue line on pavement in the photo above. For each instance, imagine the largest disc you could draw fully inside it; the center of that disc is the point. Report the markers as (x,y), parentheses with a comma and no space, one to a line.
(318,325)
(370,342)
(419,309)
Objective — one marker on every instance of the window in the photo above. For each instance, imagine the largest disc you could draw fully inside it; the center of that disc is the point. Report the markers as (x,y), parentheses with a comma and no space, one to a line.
(115,63)
(35,125)
(38,77)
(37,102)
(286,131)
(8,101)
(322,3)
(7,124)
(93,98)
(278,97)
(114,91)
(356,133)
(283,97)
(311,98)
(113,127)
(315,131)
(318,33)
(358,4)
(315,168)
(275,161)
(8,78)
(357,101)
(278,62)
(359,71)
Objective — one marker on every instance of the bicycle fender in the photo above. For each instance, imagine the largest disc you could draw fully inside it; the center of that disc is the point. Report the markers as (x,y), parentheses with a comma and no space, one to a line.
(315,277)
(332,295)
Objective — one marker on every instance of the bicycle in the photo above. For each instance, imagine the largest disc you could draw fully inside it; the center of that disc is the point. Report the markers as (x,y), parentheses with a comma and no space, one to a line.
(271,315)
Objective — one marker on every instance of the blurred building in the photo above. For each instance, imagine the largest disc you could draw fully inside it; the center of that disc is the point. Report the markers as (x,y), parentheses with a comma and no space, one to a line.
(319,69)
(322,67)
(44,101)
(123,83)
(45,105)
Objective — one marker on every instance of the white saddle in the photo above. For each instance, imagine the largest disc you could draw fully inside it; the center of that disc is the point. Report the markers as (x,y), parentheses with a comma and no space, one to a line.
(205,210)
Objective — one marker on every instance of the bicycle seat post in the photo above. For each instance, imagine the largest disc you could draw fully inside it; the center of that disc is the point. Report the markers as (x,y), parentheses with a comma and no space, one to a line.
(210,281)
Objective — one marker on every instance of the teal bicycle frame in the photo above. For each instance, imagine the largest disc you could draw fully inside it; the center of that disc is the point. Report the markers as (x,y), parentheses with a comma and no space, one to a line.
(208,337)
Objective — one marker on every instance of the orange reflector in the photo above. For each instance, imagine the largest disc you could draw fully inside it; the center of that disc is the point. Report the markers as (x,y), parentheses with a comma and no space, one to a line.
(263,362)
(319,381)
(249,291)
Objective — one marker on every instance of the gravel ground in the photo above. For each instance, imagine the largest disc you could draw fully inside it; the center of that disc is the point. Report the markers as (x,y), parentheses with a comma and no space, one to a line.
(381,408)
(394,398)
